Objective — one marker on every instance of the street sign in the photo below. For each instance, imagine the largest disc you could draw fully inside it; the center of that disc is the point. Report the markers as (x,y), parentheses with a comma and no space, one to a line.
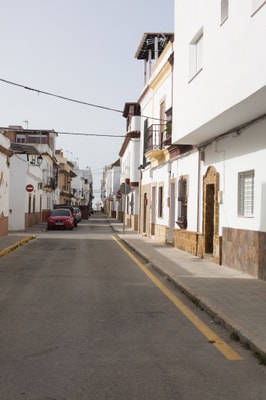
(29,187)
(125,188)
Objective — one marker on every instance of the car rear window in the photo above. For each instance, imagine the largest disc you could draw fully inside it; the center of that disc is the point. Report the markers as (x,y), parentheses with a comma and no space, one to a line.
(61,213)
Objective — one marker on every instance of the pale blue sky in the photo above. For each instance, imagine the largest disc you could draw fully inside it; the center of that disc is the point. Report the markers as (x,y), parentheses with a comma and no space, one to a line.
(80,49)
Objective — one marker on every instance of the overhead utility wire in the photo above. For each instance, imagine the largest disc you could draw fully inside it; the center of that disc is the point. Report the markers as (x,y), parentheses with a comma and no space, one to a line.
(60,97)
(88,134)
(69,99)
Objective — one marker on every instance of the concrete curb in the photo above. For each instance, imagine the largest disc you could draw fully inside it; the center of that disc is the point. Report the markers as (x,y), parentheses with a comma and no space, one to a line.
(203,303)
(16,245)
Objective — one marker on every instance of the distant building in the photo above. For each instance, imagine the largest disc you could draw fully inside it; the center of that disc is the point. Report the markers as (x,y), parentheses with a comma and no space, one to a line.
(5,155)
(33,175)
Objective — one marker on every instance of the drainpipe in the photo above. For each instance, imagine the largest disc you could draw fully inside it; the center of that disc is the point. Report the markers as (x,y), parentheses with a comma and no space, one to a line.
(150,63)
(198,195)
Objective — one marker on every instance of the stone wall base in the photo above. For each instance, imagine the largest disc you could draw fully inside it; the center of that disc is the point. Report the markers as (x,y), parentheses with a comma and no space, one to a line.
(32,219)
(132,221)
(245,251)
(189,241)
(161,232)
(3,226)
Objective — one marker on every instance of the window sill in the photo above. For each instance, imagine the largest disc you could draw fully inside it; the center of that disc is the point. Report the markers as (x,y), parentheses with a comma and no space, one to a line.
(257,9)
(223,21)
(195,75)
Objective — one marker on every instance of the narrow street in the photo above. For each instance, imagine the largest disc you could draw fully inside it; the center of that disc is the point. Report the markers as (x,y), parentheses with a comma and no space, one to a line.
(80,320)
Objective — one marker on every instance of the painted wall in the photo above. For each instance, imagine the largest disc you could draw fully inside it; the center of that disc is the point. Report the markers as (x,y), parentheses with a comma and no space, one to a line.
(233,53)
(21,174)
(234,154)
(4,186)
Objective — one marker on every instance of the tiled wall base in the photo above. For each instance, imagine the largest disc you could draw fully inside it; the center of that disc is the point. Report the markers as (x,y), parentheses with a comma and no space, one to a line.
(245,251)
(3,226)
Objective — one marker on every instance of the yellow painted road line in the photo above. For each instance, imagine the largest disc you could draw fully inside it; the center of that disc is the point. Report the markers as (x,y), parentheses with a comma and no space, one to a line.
(227,351)
(15,245)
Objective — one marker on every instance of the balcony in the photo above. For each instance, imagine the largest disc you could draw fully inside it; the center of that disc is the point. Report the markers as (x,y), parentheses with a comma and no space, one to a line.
(158,137)
(66,190)
(157,140)
(49,185)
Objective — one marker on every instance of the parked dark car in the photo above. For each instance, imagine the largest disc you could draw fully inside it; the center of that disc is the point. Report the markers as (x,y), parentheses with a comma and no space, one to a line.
(77,214)
(60,218)
(69,207)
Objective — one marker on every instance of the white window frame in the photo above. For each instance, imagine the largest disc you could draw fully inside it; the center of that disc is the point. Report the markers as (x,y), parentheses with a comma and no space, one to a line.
(246,193)
(196,55)
(224,10)
(256,6)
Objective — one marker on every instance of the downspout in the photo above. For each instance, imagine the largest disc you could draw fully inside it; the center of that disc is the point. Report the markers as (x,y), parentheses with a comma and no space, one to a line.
(198,198)
(171,223)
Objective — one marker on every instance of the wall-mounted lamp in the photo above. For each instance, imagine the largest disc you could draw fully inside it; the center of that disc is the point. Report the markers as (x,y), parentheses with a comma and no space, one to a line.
(36,161)
(39,160)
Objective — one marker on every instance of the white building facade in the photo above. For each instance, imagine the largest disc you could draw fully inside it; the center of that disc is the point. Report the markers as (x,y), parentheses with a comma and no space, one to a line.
(5,155)
(159,159)
(219,108)
(110,188)
(129,161)
(25,204)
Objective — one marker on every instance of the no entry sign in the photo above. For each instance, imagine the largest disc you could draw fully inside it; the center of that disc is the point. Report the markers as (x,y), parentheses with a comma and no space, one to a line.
(29,187)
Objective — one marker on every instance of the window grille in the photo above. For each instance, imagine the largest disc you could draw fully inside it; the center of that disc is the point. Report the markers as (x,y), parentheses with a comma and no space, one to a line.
(246,193)
(182,203)
(160,202)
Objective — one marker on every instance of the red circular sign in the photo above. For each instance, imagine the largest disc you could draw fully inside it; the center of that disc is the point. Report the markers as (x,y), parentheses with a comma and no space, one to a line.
(29,188)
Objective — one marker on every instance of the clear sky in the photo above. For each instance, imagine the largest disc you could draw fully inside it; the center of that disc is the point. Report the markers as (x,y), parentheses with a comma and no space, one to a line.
(83,50)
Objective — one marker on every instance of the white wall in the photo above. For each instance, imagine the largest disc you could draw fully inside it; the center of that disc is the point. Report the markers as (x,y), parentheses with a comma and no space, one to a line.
(18,168)
(4,178)
(21,174)
(234,154)
(234,68)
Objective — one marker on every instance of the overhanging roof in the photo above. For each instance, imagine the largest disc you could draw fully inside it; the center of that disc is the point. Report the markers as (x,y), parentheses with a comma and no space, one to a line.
(147,44)
(22,148)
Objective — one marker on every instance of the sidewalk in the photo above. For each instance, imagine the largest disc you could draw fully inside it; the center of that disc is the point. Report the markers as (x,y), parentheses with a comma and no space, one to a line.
(233,299)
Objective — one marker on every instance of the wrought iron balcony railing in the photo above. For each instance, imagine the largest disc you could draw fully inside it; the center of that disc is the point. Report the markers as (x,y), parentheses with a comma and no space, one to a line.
(157,137)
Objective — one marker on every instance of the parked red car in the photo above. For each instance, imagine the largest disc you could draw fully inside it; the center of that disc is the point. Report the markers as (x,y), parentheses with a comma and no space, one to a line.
(60,218)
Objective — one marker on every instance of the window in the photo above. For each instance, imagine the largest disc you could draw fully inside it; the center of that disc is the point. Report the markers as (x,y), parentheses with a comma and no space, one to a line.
(145,141)
(246,193)
(182,203)
(224,10)
(160,202)
(196,54)
(162,117)
(256,5)
(20,138)
(37,139)
(132,204)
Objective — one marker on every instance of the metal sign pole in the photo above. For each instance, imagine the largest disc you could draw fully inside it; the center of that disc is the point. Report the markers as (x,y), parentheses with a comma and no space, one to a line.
(124,189)
(124,212)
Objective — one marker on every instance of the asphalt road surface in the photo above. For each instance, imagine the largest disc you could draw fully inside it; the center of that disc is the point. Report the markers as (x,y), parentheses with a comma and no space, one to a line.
(80,320)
